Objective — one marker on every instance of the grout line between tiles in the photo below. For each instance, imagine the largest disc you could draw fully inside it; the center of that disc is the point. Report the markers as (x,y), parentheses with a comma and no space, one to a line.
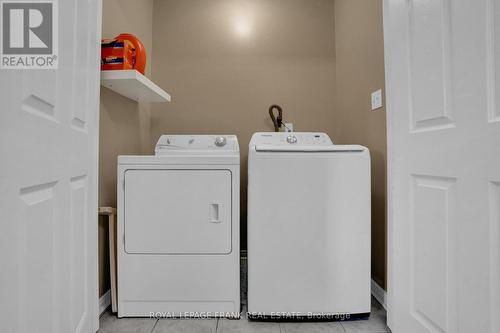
(217,325)
(154,326)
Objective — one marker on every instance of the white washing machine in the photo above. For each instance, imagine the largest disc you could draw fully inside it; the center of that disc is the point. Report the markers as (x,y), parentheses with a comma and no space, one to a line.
(308,227)
(178,229)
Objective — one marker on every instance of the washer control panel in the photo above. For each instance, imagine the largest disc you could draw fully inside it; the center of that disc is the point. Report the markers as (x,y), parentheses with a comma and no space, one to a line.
(293,138)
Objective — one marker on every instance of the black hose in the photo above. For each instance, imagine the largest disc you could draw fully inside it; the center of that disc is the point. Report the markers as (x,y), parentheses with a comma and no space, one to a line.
(277,121)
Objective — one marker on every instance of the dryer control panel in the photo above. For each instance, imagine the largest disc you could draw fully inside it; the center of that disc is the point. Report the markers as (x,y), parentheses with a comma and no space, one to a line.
(168,144)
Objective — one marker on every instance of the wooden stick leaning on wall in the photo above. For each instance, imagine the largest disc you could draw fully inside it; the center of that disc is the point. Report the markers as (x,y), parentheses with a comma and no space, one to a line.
(110,212)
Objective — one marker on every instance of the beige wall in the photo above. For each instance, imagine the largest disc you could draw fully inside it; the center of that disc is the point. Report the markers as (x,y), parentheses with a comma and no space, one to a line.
(223,82)
(124,124)
(360,70)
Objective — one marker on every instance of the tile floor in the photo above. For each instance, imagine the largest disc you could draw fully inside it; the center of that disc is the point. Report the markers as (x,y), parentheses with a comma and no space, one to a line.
(109,323)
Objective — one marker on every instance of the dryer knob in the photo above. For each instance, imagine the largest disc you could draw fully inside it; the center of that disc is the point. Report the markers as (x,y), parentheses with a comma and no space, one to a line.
(291,139)
(220,141)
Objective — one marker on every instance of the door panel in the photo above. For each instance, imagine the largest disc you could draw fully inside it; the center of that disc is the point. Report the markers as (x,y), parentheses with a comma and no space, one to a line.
(494,193)
(432,251)
(443,163)
(493,31)
(430,81)
(48,183)
(39,93)
(36,253)
(79,283)
(178,211)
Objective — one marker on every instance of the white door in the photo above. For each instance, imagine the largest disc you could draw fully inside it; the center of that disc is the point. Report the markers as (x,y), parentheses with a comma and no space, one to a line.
(48,184)
(177,211)
(443,98)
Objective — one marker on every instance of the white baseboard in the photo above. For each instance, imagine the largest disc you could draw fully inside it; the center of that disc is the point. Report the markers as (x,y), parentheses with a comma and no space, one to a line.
(104,302)
(379,293)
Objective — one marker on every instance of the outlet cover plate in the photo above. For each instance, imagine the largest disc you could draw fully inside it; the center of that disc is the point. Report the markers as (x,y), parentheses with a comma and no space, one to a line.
(377,99)
(288,127)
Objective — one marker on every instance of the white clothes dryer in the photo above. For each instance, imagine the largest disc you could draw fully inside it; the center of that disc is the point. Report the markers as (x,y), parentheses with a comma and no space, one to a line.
(178,229)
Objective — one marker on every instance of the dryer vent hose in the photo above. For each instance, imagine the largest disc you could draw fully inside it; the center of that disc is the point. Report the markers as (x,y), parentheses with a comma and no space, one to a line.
(277,120)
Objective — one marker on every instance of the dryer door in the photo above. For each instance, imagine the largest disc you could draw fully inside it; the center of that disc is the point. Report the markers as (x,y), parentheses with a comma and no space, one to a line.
(178,211)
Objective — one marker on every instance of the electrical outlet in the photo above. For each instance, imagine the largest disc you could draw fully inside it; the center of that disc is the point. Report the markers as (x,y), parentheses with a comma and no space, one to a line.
(377,99)
(288,127)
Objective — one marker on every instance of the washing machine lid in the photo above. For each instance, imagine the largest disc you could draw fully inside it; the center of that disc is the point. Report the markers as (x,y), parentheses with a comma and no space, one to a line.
(193,144)
(298,142)
(312,149)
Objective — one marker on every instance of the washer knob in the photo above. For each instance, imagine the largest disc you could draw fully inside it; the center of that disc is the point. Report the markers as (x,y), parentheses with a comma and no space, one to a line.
(291,139)
(220,141)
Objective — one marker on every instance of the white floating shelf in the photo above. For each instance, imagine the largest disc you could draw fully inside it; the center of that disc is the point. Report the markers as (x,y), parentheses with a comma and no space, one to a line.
(132,84)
